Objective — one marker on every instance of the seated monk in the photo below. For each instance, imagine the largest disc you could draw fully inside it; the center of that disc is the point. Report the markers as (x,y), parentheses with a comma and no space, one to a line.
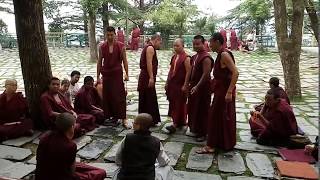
(274,84)
(275,123)
(56,155)
(53,103)
(14,114)
(64,89)
(88,101)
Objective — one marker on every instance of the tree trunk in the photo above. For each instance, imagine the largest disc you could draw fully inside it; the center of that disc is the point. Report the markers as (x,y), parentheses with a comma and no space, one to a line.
(92,38)
(289,45)
(105,18)
(313,18)
(141,23)
(85,28)
(33,52)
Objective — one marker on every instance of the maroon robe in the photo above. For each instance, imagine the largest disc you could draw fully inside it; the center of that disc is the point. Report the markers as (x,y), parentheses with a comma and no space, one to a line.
(87,97)
(14,110)
(224,34)
(177,99)
(120,36)
(114,96)
(283,95)
(222,124)
(135,39)
(56,156)
(148,101)
(282,124)
(50,105)
(199,102)
(233,40)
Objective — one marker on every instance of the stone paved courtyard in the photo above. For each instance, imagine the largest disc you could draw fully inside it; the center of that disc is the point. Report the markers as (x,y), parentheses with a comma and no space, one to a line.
(98,147)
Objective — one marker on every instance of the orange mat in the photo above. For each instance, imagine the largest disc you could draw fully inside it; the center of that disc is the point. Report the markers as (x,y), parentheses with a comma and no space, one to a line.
(296,169)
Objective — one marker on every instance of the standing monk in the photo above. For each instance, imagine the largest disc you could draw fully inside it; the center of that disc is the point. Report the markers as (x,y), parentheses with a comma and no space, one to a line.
(233,39)
(88,101)
(222,124)
(53,103)
(200,95)
(135,38)
(177,85)
(14,113)
(112,55)
(223,32)
(148,102)
(120,35)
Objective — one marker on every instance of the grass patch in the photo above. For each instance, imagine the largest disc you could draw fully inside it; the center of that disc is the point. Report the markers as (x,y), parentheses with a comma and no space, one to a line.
(182,161)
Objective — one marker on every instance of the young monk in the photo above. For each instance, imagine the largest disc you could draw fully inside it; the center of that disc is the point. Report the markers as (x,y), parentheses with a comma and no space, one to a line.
(276,123)
(200,94)
(14,113)
(64,89)
(54,103)
(87,100)
(222,123)
(112,55)
(139,151)
(274,84)
(56,154)
(148,101)
(74,87)
(177,86)
(120,35)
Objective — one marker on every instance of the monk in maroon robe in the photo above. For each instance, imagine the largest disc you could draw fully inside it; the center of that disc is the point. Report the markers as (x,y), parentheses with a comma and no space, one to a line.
(148,102)
(135,38)
(223,32)
(274,84)
(112,55)
(177,86)
(87,100)
(120,35)
(53,103)
(222,123)
(276,123)
(233,39)
(14,113)
(200,94)
(56,155)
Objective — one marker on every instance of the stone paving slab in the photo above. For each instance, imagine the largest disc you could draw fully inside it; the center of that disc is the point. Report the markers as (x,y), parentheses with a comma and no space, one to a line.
(110,168)
(105,131)
(111,154)
(5,163)
(260,165)
(201,162)
(33,160)
(242,178)
(17,170)
(94,149)
(247,146)
(14,153)
(185,139)
(245,126)
(231,162)
(82,141)
(22,140)
(173,150)
(183,175)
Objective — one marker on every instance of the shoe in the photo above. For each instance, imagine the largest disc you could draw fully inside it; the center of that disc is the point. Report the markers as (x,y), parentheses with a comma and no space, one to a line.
(171,129)
(189,133)
(113,123)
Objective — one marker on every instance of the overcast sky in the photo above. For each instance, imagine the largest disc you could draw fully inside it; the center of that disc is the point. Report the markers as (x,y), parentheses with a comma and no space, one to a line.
(218,7)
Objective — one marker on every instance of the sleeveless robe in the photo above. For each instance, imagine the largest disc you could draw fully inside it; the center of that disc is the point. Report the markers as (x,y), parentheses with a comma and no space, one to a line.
(120,36)
(199,102)
(14,110)
(222,124)
(177,99)
(148,101)
(114,96)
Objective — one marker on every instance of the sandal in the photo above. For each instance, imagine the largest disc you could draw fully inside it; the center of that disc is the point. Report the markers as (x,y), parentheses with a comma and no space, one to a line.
(205,150)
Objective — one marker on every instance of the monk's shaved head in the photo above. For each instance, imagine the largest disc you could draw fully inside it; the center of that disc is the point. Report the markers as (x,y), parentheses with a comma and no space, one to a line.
(156,41)
(144,120)
(10,82)
(179,41)
(155,36)
(65,121)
